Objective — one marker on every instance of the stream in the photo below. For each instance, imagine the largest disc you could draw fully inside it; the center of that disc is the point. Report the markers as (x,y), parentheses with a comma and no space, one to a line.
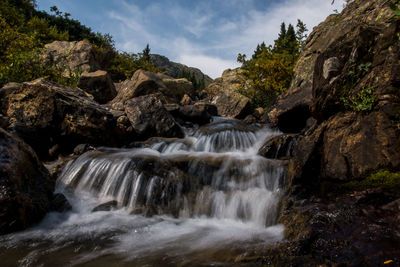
(206,199)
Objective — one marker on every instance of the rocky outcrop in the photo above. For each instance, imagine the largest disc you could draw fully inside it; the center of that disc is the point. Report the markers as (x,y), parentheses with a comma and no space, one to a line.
(141,83)
(345,104)
(148,117)
(46,114)
(98,84)
(25,185)
(72,57)
(223,93)
(347,79)
(176,69)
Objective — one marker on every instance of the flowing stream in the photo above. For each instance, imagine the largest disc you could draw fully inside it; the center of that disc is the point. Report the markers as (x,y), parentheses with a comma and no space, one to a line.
(207,199)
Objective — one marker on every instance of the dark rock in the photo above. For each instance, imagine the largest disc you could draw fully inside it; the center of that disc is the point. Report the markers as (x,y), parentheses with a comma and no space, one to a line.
(82,148)
(25,185)
(209,108)
(98,84)
(194,114)
(44,114)
(149,118)
(110,205)
(186,100)
(60,203)
(278,147)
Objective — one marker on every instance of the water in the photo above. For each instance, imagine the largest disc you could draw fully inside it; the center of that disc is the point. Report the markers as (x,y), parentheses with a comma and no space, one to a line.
(207,199)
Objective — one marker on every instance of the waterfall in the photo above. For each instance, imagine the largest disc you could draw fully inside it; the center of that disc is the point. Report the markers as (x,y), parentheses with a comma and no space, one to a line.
(215,172)
(200,200)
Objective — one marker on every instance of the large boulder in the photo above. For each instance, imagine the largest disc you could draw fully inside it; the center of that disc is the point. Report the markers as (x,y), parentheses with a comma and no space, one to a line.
(178,88)
(231,104)
(223,93)
(98,84)
(72,57)
(25,186)
(149,118)
(141,83)
(45,114)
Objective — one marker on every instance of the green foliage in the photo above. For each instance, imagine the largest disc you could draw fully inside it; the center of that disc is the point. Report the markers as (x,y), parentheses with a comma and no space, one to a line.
(125,64)
(395,7)
(383,178)
(362,102)
(270,70)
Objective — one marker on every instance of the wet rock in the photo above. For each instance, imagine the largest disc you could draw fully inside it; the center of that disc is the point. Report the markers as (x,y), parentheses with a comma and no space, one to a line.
(82,148)
(75,57)
(149,117)
(60,203)
(98,84)
(110,205)
(209,108)
(278,147)
(194,114)
(44,114)
(25,185)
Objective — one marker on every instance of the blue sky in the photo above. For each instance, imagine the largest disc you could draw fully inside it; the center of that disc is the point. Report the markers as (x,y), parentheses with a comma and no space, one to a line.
(207,34)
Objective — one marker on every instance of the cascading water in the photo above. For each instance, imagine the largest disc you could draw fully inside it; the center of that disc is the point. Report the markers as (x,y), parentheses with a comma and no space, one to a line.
(176,202)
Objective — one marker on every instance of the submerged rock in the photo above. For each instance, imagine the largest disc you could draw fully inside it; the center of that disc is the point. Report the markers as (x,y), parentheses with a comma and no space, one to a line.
(26,187)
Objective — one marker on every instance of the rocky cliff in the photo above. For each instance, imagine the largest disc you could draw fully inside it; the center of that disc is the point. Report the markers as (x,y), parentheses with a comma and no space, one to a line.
(343,108)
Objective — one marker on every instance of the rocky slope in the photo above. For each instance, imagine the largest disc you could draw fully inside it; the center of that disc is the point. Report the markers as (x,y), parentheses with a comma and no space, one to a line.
(343,113)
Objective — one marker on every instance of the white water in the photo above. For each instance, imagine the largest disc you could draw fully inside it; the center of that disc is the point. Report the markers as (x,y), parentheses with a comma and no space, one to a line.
(178,200)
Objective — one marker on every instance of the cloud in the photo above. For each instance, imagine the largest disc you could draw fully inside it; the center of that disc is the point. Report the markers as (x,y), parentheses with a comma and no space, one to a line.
(214,65)
(209,34)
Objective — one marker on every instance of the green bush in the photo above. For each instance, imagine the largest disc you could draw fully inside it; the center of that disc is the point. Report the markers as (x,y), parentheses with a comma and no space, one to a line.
(383,178)
(362,102)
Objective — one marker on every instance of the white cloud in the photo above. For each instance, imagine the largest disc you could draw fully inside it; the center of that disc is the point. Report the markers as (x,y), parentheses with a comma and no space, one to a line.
(214,65)
(205,39)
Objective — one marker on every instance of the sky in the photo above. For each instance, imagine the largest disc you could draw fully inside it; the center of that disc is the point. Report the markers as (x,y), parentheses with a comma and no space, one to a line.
(206,34)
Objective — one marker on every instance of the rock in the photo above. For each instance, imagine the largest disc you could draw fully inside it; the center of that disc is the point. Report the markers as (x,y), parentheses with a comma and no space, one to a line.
(186,100)
(178,88)
(149,117)
(231,104)
(60,203)
(177,70)
(44,114)
(74,57)
(229,81)
(258,112)
(331,68)
(25,185)
(194,114)
(82,148)
(278,147)
(110,205)
(98,84)
(250,119)
(141,83)
(210,108)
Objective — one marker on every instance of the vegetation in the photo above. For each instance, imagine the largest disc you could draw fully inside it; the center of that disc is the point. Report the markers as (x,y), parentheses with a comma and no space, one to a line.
(25,31)
(395,7)
(364,100)
(383,178)
(198,85)
(270,70)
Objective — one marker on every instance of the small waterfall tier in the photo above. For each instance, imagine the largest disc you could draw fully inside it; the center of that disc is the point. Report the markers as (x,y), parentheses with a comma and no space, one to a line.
(214,172)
